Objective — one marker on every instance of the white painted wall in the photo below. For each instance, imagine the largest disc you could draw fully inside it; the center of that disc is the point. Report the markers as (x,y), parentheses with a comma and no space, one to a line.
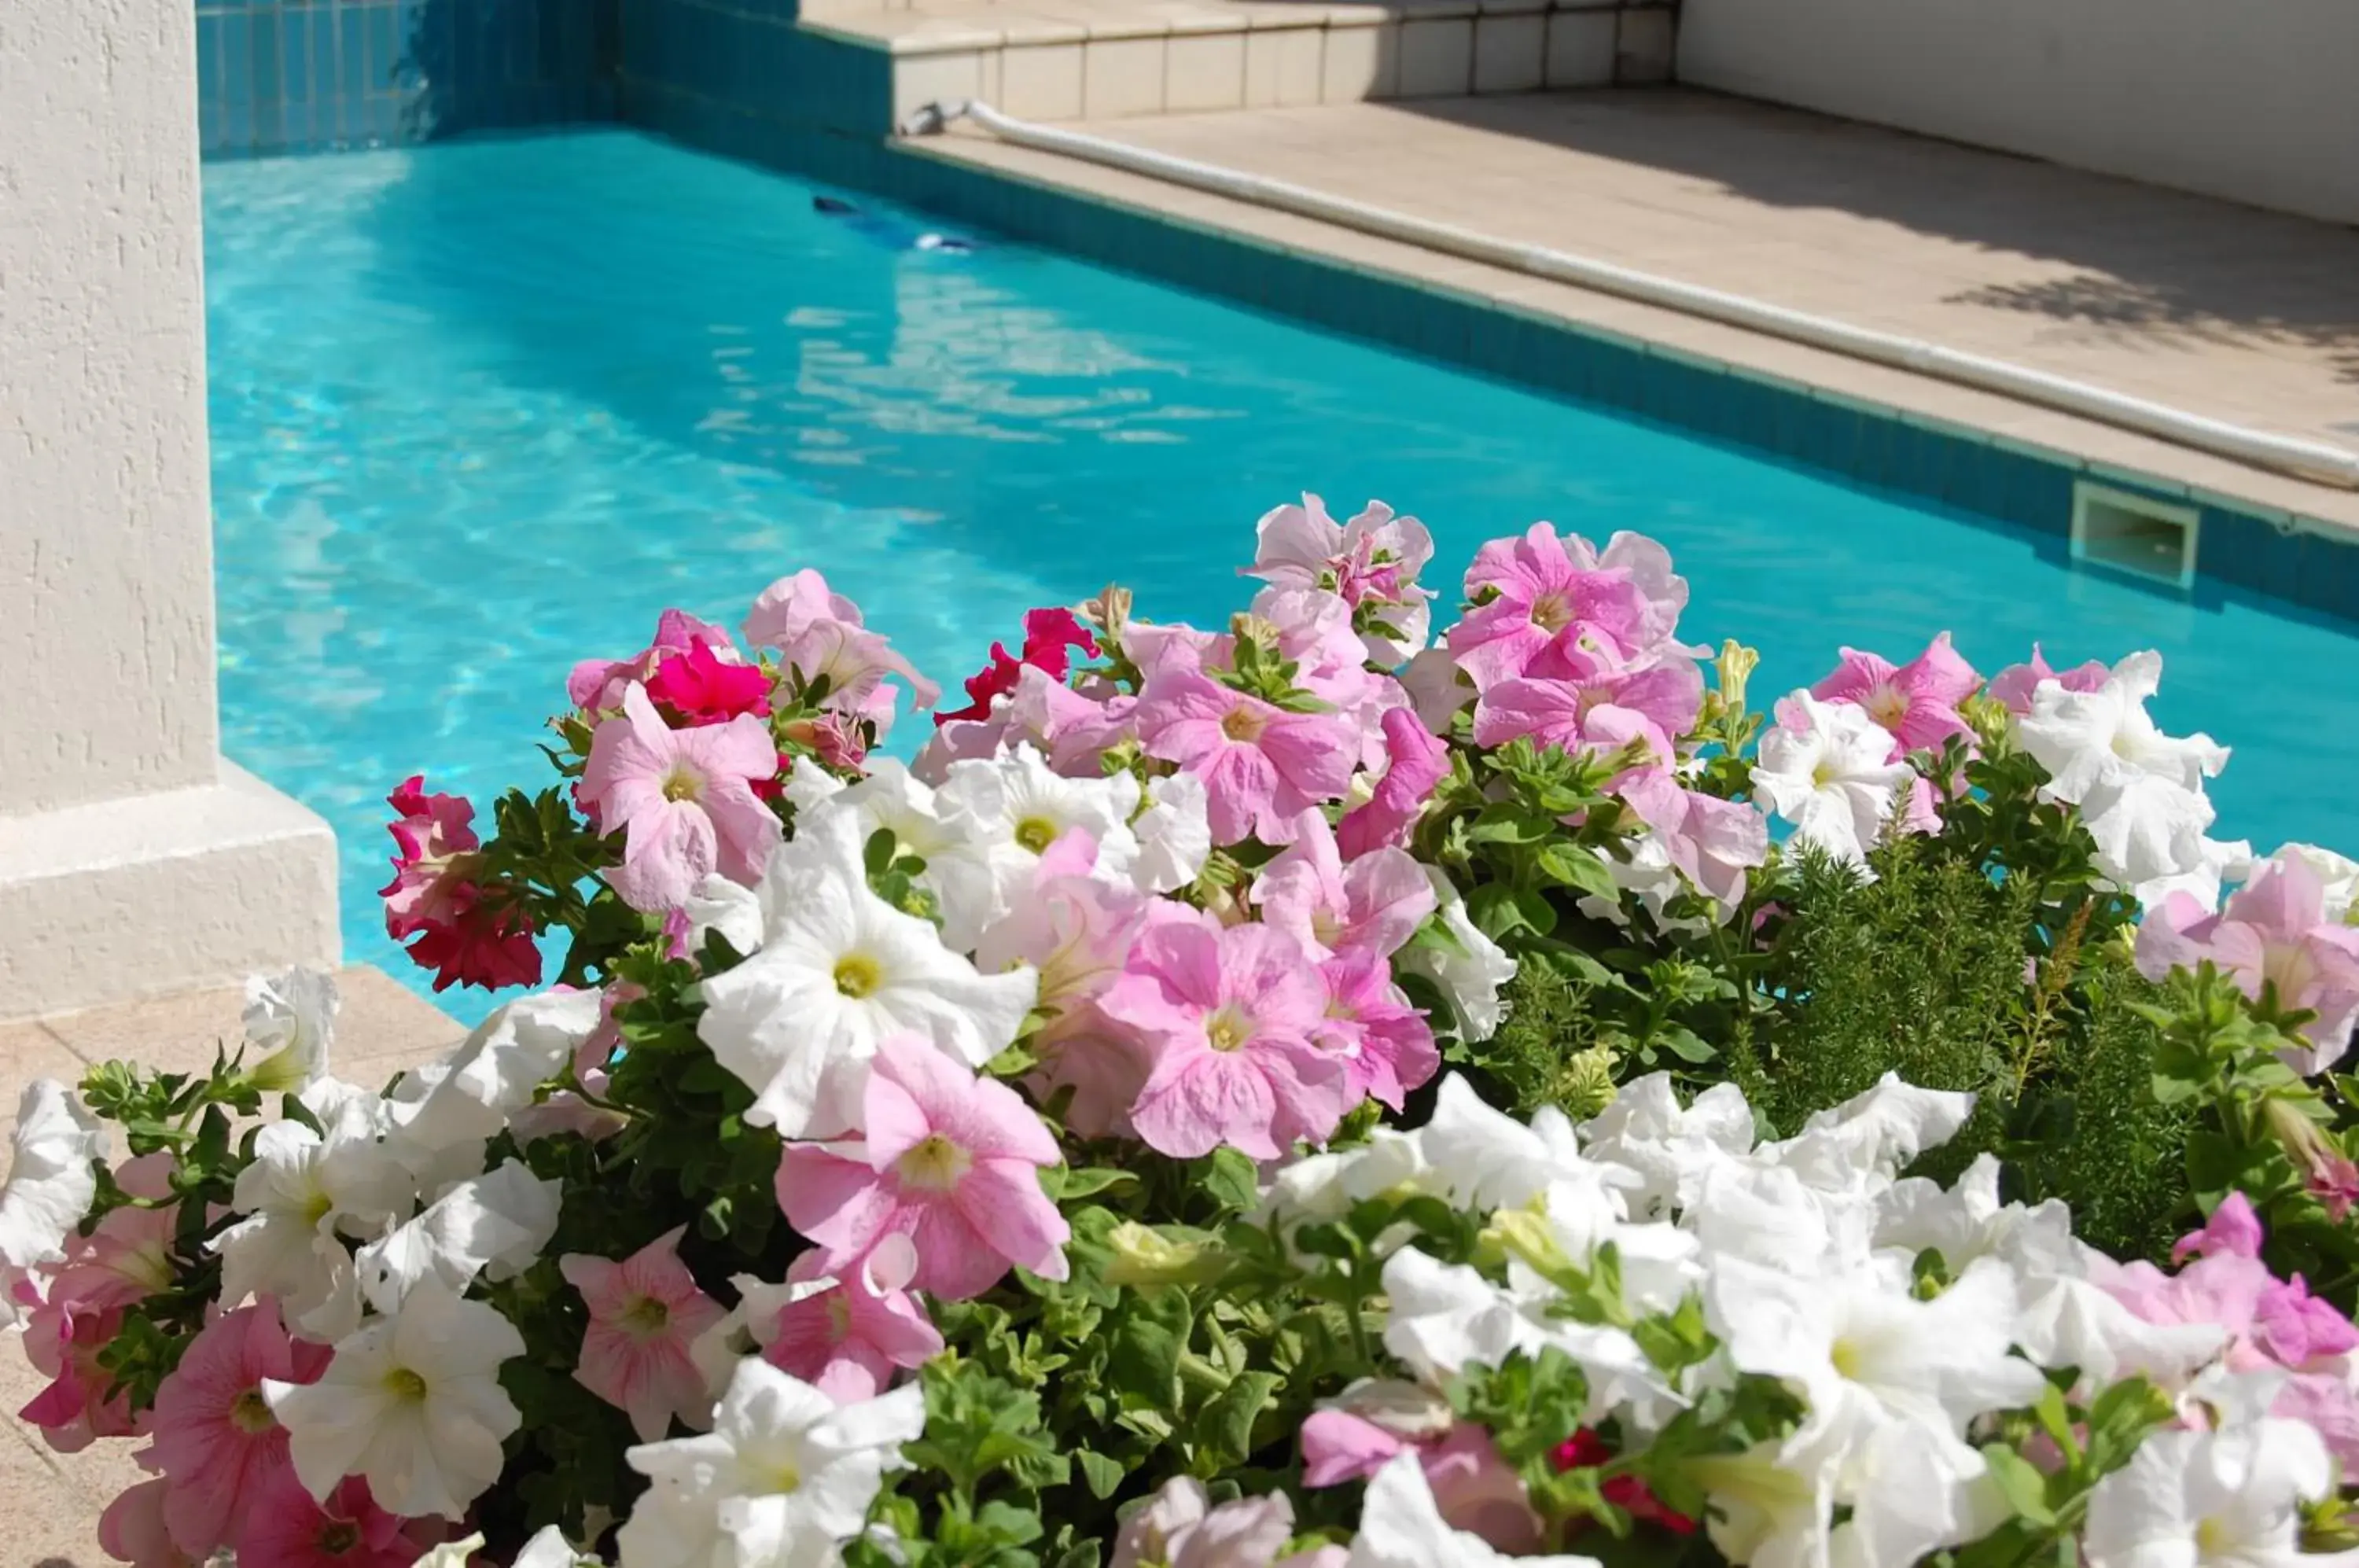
(2252,100)
(132,860)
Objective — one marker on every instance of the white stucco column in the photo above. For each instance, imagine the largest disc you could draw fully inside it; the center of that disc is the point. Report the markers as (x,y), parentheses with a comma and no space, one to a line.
(134,860)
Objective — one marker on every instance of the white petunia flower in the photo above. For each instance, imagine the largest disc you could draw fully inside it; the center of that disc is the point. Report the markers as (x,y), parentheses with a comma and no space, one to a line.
(1401,1527)
(1863,1354)
(412,1403)
(50,1183)
(1645,1130)
(839,969)
(1824,769)
(290,1020)
(1768,1215)
(1864,1142)
(1913,1493)
(2338,875)
(730,908)
(469,1095)
(1469,970)
(1765,1510)
(784,1478)
(1967,1220)
(2211,1499)
(2070,1322)
(302,1189)
(1174,833)
(1482,1159)
(495,1224)
(1325,1185)
(1000,815)
(1445,1317)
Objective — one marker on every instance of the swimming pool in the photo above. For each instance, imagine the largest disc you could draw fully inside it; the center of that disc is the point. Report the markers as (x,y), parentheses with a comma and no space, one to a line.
(480,410)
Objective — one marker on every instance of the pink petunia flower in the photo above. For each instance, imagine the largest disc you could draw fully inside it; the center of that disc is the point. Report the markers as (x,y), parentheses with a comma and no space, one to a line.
(946,1158)
(132,1530)
(644,1312)
(1049,636)
(2273,931)
(1261,763)
(818,632)
(1475,1487)
(1916,702)
(433,896)
(1376,902)
(62,1340)
(700,687)
(2016,685)
(1712,841)
(1386,1043)
(1418,761)
(597,685)
(287,1529)
(1548,605)
(684,799)
(1370,562)
(129,1257)
(846,1336)
(1229,1012)
(216,1441)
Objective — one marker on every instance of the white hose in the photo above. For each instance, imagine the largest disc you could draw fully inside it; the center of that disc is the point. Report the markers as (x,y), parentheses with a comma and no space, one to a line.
(2308,460)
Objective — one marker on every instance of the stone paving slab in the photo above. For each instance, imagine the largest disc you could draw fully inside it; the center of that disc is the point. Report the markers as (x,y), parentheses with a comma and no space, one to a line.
(2229,312)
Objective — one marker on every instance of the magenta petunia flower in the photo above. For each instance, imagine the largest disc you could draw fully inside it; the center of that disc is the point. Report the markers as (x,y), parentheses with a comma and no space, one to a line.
(685,799)
(1261,765)
(644,1312)
(846,1336)
(700,687)
(1049,636)
(433,896)
(1916,702)
(287,1529)
(1230,1014)
(217,1443)
(950,1159)
(597,685)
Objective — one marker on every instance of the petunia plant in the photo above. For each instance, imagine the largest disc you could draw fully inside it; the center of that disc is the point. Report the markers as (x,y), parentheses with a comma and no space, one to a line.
(1311,1092)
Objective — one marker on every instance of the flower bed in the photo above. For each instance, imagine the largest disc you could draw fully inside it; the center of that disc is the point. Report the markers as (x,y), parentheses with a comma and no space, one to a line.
(1309,1093)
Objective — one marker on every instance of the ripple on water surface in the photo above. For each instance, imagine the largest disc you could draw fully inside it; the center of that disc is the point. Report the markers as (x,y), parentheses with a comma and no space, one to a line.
(481,410)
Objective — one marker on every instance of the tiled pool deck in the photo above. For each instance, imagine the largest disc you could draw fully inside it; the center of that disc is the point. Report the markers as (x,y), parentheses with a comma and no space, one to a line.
(2239,314)
(52,1501)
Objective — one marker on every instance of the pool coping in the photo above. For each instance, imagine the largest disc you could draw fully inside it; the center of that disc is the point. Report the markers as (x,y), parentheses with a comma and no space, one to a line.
(1927,441)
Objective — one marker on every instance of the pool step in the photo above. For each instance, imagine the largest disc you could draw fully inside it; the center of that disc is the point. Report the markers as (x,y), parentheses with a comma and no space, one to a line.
(1095,59)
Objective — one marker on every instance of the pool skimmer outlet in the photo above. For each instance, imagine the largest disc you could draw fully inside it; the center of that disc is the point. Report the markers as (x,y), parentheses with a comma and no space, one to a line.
(2138,534)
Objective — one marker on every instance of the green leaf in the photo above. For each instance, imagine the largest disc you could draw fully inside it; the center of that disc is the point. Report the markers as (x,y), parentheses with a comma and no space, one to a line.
(2024,1489)
(1231,1181)
(1099,1474)
(1070,1183)
(1144,1360)
(1224,1430)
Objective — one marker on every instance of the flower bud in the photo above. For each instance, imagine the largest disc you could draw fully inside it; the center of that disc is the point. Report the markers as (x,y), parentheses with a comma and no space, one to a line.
(1734,667)
(1143,1256)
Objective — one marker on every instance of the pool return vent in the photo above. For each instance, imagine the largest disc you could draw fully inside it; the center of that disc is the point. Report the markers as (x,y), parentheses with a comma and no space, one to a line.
(2136,534)
(2263,449)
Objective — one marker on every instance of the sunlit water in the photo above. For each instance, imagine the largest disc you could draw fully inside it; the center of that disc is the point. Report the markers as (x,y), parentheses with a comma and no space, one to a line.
(482,410)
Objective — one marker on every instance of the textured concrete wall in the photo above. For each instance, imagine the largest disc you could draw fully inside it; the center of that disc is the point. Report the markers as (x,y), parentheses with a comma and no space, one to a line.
(2252,100)
(134,861)
(106,604)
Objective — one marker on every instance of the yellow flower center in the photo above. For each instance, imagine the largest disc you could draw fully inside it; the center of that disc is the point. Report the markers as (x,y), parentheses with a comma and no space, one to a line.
(858,976)
(1822,774)
(1847,1359)
(1243,724)
(839,1314)
(1227,1029)
(1550,613)
(405,1386)
(2211,1538)
(1035,834)
(935,1165)
(340,1537)
(250,1412)
(680,784)
(647,1317)
(784,1477)
(1886,706)
(316,1207)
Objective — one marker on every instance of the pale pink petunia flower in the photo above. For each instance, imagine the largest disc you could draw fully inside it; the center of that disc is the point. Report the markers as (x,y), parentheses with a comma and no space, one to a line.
(645,1312)
(1474,1488)
(1229,1012)
(2273,931)
(944,1156)
(1261,763)
(1916,702)
(2016,685)
(1376,902)
(1546,605)
(818,632)
(1370,562)
(1418,761)
(685,799)
(217,1443)
(847,1335)
(1386,1041)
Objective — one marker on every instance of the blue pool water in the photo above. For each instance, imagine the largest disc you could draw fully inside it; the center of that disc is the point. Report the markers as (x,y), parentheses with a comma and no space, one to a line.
(481,410)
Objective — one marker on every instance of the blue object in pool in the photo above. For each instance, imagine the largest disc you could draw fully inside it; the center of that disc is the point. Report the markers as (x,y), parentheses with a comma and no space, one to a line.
(482,410)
